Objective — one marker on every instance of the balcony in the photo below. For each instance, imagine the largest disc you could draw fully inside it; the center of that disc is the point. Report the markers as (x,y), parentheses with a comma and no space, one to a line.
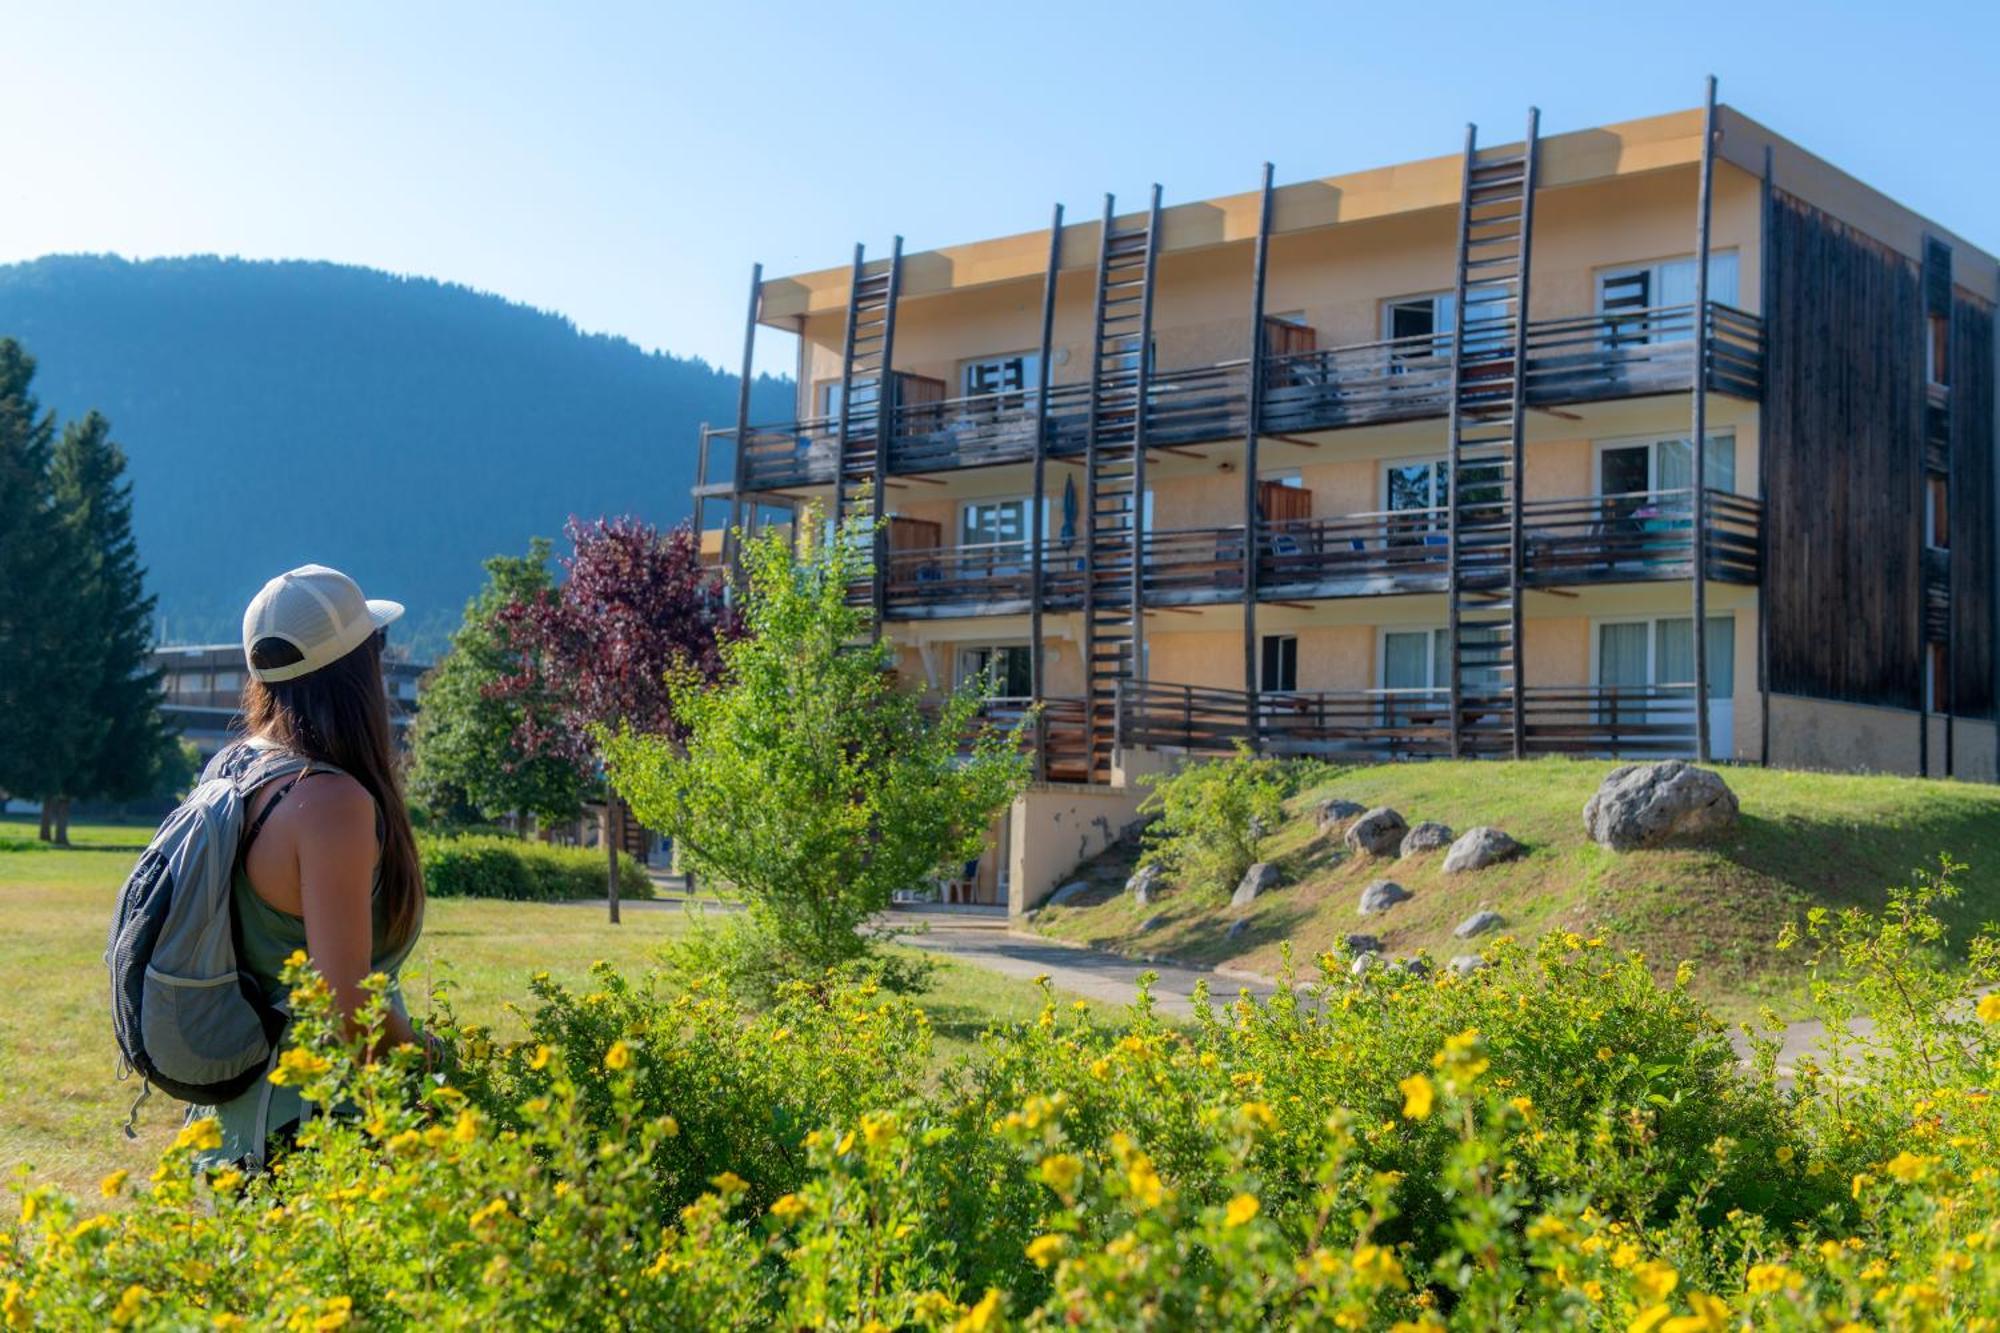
(1591,358)
(1624,720)
(1640,537)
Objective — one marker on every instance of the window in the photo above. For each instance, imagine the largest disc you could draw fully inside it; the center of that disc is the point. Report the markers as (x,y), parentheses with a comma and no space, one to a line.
(1937,350)
(1430,316)
(1628,293)
(1937,514)
(1644,654)
(1007,665)
(864,399)
(985,522)
(1632,474)
(1278,671)
(1014,373)
(1416,669)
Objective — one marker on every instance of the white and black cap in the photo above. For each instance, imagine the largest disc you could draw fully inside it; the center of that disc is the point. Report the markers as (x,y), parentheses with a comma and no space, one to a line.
(315,612)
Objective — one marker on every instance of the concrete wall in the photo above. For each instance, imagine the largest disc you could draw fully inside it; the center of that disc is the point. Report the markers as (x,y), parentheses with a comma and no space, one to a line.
(1848,737)
(1056,828)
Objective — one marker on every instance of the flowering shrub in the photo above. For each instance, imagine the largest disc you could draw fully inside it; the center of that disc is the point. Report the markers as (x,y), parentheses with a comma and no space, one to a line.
(1552,1141)
(1212,816)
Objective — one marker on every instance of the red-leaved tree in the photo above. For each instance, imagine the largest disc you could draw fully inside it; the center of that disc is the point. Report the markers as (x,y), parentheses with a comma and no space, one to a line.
(596,649)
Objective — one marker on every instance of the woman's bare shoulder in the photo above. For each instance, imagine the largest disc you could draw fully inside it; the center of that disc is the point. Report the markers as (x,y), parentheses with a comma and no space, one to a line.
(329,806)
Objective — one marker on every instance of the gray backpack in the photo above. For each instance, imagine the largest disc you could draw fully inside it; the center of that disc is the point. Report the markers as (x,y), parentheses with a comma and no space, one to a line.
(188,1020)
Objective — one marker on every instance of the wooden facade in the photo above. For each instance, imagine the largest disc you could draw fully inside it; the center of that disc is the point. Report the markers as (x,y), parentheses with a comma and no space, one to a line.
(1843,404)
(1972,509)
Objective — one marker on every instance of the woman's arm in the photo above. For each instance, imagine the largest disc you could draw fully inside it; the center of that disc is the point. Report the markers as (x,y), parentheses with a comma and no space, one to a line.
(335,820)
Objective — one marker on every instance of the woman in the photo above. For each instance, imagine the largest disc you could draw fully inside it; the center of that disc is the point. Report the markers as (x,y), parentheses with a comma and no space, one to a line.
(328,863)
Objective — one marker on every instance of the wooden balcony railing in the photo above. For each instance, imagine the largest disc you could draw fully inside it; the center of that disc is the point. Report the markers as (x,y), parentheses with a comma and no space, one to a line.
(1629,720)
(1615,354)
(1057,731)
(1639,537)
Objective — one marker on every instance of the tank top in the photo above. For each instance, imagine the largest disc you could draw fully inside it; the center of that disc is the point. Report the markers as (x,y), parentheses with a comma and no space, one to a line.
(265,937)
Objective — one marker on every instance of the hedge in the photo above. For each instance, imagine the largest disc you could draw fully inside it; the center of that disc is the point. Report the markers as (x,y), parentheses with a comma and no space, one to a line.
(482,866)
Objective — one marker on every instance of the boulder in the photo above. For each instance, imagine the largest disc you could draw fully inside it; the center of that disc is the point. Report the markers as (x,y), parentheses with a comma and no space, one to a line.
(1382,895)
(1644,805)
(1334,811)
(1478,924)
(1257,879)
(1358,944)
(1152,923)
(1063,896)
(1237,927)
(1378,832)
(1465,964)
(1363,964)
(1418,966)
(1143,883)
(1425,837)
(1479,848)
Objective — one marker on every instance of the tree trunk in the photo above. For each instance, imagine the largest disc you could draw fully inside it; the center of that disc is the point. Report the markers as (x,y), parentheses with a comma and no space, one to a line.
(62,821)
(48,817)
(611,831)
(521,825)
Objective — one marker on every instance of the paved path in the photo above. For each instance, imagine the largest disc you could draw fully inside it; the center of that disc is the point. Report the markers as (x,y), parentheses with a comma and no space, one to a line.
(987,942)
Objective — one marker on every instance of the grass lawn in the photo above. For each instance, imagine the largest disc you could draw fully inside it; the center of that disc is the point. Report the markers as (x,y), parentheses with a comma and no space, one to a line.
(1804,839)
(60,1109)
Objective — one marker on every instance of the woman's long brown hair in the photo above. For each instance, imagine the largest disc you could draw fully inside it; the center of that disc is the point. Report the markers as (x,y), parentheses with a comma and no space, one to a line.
(339,715)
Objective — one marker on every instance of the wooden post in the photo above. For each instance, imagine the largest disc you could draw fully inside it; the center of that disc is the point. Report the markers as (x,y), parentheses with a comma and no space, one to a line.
(731,541)
(1037,524)
(1767,287)
(1454,483)
(1252,423)
(611,840)
(885,424)
(1517,543)
(1141,409)
(1700,442)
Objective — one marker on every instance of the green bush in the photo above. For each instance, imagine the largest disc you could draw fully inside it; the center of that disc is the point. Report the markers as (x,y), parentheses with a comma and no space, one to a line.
(483,866)
(1554,1141)
(1213,816)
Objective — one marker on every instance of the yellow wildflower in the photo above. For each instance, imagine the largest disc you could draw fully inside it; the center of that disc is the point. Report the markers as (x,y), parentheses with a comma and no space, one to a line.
(984,1315)
(1378,1266)
(112,1185)
(618,1057)
(338,1311)
(729,1184)
(466,1129)
(1241,1209)
(1148,1191)
(204,1135)
(877,1130)
(1767,1278)
(1044,1250)
(129,1305)
(540,1059)
(1988,1008)
(1655,1279)
(1258,1114)
(1907,1167)
(788,1208)
(1418,1096)
(225,1182)
(1604,1054)
(1061,1172)
(1785,1154)
(1650,1318)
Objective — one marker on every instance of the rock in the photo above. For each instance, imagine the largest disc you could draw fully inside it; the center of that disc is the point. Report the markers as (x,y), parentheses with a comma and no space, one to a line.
(1152,923)
(1359,944)
(1143,882)
(1382,895)
(1363,964)
(1644,805)
(1237,927)
(1418,966)
(1333,811)
(1257,879)
(1062,896)
(1479,848)
(1378,833)
(1478,924)
(1426,837)
(1466,964)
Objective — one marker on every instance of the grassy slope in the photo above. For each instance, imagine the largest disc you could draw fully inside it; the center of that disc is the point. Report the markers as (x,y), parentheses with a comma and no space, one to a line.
(60,1110)
(1804,839)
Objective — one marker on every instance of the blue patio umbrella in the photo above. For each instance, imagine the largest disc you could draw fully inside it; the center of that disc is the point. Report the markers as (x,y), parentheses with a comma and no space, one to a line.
(1068,533)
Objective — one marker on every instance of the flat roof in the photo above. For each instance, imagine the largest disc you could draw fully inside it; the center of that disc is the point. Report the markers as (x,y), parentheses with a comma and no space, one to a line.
(1578,157)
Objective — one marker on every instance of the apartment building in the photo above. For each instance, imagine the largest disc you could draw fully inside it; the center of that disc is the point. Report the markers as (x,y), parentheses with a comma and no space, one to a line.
(1398,464)
(203,685)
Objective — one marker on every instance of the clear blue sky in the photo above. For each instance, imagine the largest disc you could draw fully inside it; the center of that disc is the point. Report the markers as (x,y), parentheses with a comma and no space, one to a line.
(625,163)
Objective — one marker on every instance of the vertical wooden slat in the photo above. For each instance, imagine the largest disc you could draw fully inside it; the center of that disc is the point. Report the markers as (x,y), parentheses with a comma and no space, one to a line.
(1517,558)
(1037,525)
(1699,444)
(886,399)
(732,557)
(1457,683)
(1140,413)
(846,387)
(1253,421)
(1767,286)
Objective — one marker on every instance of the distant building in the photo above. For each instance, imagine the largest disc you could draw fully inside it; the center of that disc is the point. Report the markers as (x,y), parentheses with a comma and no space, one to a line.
(204,687)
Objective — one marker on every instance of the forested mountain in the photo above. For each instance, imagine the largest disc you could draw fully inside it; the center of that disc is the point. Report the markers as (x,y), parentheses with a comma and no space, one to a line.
(399,428)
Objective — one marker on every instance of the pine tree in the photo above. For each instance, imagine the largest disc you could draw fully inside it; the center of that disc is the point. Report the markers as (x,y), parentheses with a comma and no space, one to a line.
(121,746)
(37,569)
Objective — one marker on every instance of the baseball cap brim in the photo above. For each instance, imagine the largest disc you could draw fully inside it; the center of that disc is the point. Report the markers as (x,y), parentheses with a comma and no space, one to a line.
(383,612)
